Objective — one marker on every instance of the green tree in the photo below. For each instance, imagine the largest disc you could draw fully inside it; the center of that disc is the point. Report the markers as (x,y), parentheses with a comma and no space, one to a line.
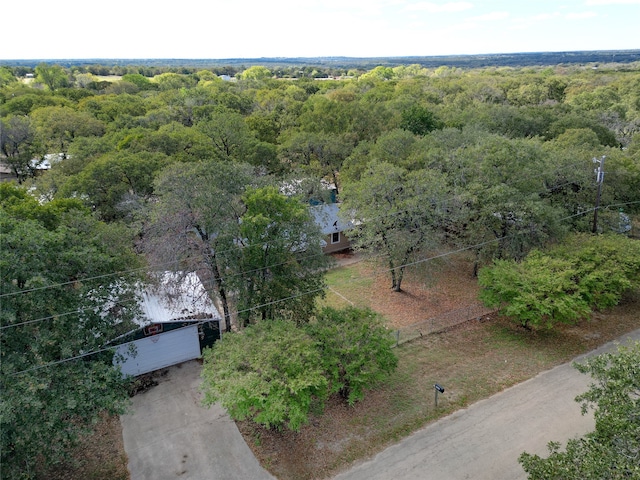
(64,293)
(612,450)
(540,290)
(394,147)
(58,127)
(270,373)
(142,82)
(173,139)
(356,350)
(256,72)
(321,114)
(501,204)
(419,120)
(274,373)
(565,283)
(280,267)
(174,81)
(582,120)
(322,154)
(398,213)
(117,184)
(20,99)
(20,146)
(53,76)
(230,136)
(194,225)
(6,76)
(109,108)
(379,73)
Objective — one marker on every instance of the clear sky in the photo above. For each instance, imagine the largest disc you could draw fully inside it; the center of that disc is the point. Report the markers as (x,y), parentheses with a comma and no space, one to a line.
(47,29)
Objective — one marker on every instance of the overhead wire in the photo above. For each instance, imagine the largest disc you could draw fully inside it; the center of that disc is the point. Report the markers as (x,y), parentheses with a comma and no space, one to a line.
(154,266)
(220,278)
(215,279)
(459,250)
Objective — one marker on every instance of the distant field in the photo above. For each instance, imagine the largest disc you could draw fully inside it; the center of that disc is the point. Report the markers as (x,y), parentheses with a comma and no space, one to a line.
(459,61)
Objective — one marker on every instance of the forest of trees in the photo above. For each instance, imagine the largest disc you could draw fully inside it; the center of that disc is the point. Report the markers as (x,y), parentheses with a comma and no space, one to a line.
(185,170)
(326,66)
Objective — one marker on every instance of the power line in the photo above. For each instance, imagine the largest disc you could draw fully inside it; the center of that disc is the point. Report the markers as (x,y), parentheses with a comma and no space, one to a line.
(215,279)
(154,266)
(470,247)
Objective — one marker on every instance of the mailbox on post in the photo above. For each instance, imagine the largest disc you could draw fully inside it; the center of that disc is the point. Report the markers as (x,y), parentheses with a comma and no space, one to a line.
(437,389)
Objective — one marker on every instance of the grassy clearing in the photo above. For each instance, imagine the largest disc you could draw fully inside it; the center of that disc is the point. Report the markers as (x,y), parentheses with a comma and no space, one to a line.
(348,285)
(472,361)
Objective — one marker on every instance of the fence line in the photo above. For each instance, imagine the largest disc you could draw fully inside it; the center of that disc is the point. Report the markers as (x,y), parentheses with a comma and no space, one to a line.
(439,323)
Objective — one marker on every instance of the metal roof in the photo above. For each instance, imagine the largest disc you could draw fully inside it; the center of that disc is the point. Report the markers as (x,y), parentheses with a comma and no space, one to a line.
(176,297)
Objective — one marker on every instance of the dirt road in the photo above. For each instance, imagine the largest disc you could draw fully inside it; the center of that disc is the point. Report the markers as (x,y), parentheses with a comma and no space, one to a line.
(485,440)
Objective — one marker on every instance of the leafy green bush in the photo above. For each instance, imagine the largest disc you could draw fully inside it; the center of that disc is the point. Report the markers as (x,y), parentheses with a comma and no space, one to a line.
(270,372)
(274,372)
(565,283)
(356,350)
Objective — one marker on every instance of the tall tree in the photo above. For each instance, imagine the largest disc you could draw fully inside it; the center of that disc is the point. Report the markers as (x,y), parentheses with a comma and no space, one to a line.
(59,126)
(65,291)
(194,224)
(116,185)
(256,72)
(419,120)
(281,265)
(229,134)
(53,76)
(20,146)
(321,153)
(397,213)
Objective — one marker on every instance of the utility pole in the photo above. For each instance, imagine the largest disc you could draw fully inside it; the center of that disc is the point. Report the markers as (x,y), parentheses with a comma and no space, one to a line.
(599,180)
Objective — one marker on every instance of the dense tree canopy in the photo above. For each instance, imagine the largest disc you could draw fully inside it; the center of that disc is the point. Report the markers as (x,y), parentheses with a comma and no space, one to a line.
(497,161)
(65,292)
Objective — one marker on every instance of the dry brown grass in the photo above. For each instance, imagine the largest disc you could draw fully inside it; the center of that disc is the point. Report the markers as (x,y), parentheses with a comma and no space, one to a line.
(472,360)
(428,289)
(100,456)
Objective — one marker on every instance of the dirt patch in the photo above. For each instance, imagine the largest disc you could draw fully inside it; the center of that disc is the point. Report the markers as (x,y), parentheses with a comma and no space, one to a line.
(429,289)
(473,360)
(99,456)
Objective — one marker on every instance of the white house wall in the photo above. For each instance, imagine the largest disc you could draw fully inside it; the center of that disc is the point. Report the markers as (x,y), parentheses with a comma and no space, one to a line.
(158,351)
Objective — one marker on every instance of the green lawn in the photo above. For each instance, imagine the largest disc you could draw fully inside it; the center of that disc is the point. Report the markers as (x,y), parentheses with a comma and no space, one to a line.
(349,285)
